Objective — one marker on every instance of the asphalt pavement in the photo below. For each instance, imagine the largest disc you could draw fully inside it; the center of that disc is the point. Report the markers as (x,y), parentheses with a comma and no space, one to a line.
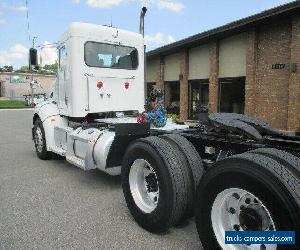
(54,205)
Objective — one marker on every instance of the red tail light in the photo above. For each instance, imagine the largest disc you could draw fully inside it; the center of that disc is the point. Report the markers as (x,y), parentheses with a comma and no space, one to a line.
(126,85)
(100,85)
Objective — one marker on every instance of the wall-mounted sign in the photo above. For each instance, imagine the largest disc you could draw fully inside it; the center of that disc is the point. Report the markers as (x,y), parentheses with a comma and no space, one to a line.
(292,67)
(279,66)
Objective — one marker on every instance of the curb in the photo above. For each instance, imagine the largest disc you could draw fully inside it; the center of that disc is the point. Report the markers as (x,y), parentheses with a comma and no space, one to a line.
(14,109)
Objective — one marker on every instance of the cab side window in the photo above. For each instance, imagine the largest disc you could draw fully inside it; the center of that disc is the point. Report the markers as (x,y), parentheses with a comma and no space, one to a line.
(62,56)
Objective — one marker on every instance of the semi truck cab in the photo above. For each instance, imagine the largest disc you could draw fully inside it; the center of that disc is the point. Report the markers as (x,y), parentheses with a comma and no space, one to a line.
(101,69)
(100,75)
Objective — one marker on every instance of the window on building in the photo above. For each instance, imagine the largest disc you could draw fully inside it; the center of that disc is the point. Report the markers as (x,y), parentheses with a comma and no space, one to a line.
(198,97)
(232,95)
(150,87)
(172,97)
(16,79)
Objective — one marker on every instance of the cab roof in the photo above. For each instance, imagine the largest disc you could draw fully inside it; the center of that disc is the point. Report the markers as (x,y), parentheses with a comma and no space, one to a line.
(101,33)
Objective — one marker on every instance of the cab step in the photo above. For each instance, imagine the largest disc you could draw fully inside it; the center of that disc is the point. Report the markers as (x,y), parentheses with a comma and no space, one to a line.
(77,161)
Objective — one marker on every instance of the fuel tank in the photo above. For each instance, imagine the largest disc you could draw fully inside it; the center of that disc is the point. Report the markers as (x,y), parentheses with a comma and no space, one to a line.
(92,146)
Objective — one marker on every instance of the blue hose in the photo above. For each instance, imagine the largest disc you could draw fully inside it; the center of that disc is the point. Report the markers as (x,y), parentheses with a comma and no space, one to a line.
(158,118)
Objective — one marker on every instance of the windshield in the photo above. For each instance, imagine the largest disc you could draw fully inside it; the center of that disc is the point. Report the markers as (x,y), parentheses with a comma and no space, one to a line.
(104,55)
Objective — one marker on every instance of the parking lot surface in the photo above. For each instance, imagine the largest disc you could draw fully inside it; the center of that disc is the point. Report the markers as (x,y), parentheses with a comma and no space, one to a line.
(52,204)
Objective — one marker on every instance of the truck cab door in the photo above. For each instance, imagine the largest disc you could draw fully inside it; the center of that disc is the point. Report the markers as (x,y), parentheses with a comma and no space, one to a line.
(62,78)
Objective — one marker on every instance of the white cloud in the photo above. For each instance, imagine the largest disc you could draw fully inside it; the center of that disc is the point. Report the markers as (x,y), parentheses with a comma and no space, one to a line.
(104,3)
(2,21)
(17,55)
(20,8)
(3,58)
(170,5)
(158,39)
(18,51)
(171,39)
(160,4)
(48,54)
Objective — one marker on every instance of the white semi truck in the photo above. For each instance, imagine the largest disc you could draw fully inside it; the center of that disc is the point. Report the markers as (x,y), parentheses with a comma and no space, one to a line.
(232,171)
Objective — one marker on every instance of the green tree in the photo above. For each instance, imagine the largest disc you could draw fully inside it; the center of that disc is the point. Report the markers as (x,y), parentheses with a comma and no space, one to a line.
(23,69)
(45,70)
(7,68)
(50,67)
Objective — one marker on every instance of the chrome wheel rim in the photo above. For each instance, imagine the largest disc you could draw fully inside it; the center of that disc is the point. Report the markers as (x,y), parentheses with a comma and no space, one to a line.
(38,139)
(144,185)
(236,209)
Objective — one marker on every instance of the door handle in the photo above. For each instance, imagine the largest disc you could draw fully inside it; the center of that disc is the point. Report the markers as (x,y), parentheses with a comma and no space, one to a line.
(89,75)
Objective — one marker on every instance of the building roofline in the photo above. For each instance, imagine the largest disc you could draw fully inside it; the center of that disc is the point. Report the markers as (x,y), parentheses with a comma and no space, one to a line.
(231,27)
(27,74)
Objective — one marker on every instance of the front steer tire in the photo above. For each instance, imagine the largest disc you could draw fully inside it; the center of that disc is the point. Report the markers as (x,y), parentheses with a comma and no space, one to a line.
(39,139)
(172,181)
(276,187)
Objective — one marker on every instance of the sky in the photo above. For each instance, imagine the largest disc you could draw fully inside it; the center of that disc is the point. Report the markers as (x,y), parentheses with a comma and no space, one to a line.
(166,21)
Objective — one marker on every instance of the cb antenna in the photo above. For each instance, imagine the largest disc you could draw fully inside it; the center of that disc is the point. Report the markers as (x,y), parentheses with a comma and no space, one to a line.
(27,19)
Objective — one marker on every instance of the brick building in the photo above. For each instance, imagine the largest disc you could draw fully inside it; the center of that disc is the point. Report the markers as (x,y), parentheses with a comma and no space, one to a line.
(250,66)
(15,85)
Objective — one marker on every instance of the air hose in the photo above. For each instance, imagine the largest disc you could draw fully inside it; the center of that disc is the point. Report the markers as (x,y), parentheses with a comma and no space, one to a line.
(158,115)
(158,118)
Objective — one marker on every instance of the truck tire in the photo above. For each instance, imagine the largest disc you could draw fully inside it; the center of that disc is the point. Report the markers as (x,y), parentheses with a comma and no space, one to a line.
(154,182)
(289,160)
(247,192)
(194,163)
(40,140)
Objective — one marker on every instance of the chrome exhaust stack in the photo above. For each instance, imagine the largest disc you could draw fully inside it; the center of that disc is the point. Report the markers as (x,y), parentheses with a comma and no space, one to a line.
(142,18)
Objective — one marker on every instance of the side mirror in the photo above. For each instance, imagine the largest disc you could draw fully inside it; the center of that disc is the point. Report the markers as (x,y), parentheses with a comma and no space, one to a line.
(32,57)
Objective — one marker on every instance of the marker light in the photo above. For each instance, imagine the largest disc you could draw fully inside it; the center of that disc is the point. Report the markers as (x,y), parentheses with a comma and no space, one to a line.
(100,85)
(126,85)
